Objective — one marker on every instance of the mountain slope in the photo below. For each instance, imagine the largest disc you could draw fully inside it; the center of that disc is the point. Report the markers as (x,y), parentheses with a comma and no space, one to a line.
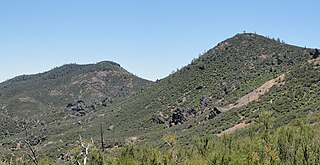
(192,101)
(31,99)
(218,78)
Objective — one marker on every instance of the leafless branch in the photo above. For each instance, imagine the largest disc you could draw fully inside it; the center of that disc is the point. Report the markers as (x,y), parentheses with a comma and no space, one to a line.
(85,150)
(33,155)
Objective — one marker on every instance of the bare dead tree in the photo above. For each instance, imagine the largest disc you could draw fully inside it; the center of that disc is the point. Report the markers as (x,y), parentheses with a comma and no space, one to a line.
(85,150)
(33,156)
(101,136)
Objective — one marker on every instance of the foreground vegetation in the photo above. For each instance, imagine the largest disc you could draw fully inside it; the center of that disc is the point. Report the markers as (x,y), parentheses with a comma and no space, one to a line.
(295,143)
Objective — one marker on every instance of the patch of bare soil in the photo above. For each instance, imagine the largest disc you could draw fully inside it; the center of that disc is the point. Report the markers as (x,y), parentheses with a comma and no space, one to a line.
(26,99)
(263,56)
(248,98)
(255,94)
(55,92)
(314,124)
(133,140)
(112,149)
(315,62)
(222,45)
(234,128)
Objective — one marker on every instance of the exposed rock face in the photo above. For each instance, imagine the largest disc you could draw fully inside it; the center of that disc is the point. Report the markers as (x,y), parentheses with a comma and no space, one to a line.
(213,113)
(190,112)
(204,101)
(105,102)
(79,108)
(179,116)
(315,53)
(158,120)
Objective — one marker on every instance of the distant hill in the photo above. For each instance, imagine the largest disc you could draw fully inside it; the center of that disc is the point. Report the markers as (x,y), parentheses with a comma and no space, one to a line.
(224,89)
(70,89)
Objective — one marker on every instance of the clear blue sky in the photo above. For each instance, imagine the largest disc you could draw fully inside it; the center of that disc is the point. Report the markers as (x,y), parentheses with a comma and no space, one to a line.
(147,37)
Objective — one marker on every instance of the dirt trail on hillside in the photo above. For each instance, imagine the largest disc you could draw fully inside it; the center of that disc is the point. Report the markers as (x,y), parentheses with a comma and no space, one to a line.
(255,94)
(248,98)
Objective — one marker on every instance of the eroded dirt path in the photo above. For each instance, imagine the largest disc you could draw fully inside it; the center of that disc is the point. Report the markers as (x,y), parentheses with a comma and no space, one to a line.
(248,98)
(255,94)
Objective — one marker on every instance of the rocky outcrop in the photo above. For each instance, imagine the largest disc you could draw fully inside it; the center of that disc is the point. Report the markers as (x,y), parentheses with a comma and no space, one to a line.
(158,120)
(190,112)
(79,108)
(204,102)
(179,116)
(105,102)
(314,53)
(213,113)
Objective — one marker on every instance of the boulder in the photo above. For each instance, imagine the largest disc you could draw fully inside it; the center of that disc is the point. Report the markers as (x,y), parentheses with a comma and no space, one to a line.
(79,108)
(315,53)
(105,102)
(213,113)
(158,120)
(70,105)
(111,127)
(204,102)
(199,87)
(190,112)
(78,123)
(80,102)
(178,117)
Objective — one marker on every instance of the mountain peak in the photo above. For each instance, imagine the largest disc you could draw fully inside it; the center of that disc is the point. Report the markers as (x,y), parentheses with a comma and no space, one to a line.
(251,45)
(250,37)
(108,63)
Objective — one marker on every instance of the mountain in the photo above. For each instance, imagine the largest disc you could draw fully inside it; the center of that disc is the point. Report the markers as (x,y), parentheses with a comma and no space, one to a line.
(74,90)
(194,100)
(226,88)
